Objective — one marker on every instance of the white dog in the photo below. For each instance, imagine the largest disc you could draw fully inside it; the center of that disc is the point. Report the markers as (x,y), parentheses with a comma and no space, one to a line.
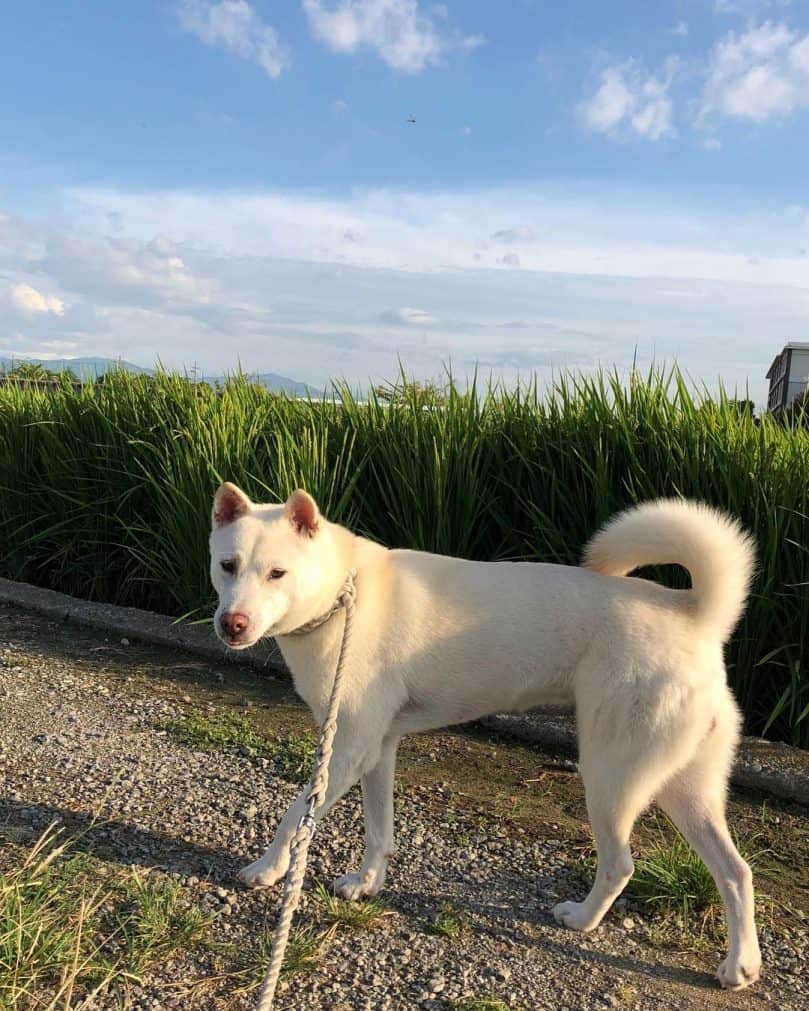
(439,641)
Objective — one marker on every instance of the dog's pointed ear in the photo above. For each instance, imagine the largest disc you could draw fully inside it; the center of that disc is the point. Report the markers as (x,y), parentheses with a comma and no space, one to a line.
(229,503)
(302,512)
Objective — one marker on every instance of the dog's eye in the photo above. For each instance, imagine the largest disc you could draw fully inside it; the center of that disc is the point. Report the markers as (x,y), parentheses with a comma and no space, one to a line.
(228,566)
(277,573)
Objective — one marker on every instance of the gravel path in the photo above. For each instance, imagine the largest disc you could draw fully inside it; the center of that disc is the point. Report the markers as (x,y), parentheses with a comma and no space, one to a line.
(492,828)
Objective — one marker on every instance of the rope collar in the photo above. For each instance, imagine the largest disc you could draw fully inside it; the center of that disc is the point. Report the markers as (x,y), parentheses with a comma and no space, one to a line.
(347,592)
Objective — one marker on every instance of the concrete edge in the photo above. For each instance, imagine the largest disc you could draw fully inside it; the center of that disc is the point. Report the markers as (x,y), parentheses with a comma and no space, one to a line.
(557,732)
(554,732)
(133,623)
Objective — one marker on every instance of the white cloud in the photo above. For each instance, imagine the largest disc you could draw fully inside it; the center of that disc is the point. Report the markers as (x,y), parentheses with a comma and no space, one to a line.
(44,351)
(153,271)
(268,278)
(234,26)
(623,235)
(408,316)
(799,213)
(471,42)
(57,347)
(758,75)
(629,99)
(748,8)
(399,32)
(680,29)
(520,233)
(30,302)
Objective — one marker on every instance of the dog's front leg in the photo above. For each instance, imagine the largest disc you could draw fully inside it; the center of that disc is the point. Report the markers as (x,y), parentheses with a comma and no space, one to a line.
(348,760)
(377,802)
(272,865)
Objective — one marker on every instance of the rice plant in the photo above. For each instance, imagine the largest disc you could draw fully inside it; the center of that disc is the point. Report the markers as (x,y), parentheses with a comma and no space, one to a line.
(305,951)
(450,922)
(347,914)
(105,490)
(670,878)
(224,729)
(154,922)
(53,939)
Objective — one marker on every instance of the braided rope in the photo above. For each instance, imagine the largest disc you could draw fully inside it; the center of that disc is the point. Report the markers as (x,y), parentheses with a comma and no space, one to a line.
(299,848)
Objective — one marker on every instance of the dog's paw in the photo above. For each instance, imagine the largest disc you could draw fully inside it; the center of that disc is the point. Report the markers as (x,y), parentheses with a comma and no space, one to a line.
(573,915)
(262,873)
(736,973)
(358,886)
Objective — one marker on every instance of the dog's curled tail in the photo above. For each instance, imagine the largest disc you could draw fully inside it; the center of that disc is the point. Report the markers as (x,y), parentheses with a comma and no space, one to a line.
(714,548)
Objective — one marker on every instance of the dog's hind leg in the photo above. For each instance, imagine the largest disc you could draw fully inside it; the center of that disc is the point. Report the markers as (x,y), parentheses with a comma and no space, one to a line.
(377,802)
(624,760)
(695,801)
(612,807)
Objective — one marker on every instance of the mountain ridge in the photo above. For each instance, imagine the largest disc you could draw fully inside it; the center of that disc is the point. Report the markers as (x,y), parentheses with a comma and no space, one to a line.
(91,367)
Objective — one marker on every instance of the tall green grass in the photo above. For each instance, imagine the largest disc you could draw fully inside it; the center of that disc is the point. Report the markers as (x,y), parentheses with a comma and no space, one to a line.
(105,492)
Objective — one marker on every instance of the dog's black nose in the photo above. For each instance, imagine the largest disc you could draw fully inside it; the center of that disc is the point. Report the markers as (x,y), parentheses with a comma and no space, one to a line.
(234,623)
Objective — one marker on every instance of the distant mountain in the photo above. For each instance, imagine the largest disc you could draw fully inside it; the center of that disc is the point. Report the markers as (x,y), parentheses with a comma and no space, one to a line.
(91,368)
(84,368)
(281,384)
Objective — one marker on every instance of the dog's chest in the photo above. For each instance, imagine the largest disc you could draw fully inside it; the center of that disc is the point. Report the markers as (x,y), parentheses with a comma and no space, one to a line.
(312,670)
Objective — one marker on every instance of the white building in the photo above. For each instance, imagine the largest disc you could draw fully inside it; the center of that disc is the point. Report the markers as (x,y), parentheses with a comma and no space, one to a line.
(788,375)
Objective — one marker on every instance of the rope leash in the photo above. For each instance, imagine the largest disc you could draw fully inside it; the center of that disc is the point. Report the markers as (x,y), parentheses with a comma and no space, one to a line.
(299,848)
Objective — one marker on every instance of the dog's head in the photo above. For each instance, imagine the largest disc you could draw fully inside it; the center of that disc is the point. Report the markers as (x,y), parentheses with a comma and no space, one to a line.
(269,565)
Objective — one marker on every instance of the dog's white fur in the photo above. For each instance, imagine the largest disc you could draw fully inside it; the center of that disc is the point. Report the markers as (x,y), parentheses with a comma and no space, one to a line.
(439,641)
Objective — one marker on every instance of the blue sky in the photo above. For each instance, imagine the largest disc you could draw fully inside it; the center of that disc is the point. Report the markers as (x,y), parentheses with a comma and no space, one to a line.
(584,184)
